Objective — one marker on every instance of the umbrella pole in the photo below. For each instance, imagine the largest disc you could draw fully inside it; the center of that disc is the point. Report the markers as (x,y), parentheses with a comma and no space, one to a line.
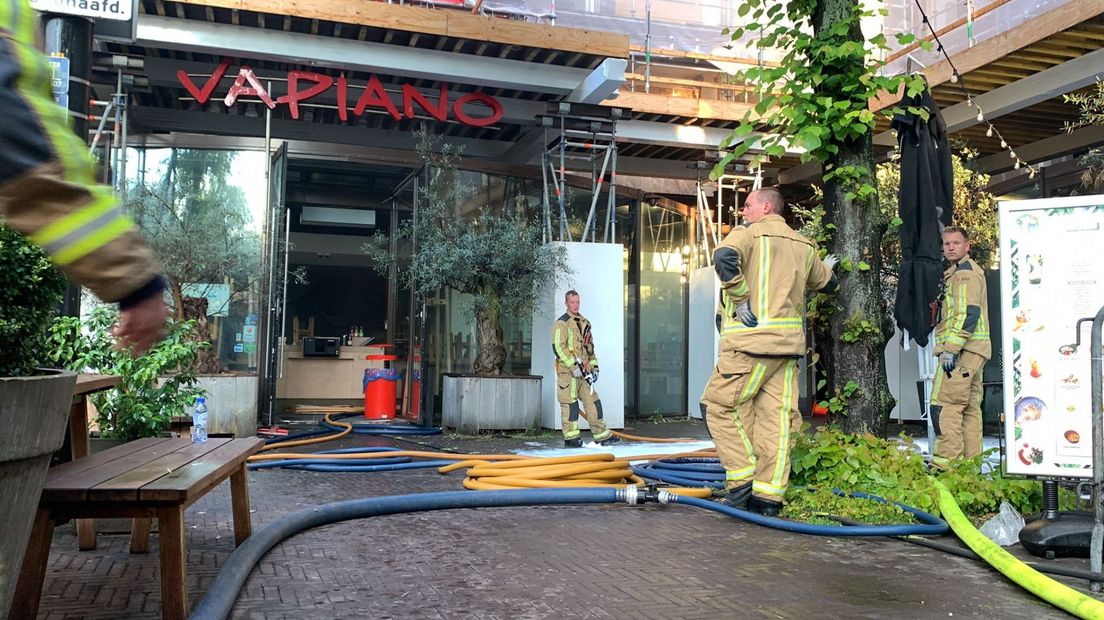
(926,364)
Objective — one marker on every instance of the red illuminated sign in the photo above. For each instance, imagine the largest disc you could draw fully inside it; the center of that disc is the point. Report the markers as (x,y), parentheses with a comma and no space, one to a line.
(303,85)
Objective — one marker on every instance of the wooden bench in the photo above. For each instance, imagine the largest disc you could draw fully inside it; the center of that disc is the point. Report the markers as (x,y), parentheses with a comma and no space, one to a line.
(143,479)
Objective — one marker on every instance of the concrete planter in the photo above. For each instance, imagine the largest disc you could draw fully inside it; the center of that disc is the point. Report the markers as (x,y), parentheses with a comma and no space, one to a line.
(34,415)
(231,404)
(471,404)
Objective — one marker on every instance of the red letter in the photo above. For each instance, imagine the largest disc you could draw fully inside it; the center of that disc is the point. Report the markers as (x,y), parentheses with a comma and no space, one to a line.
(489,101)
(201,96)
(342,98)
(375,96)
(410,96)
(245,73)
(294,96)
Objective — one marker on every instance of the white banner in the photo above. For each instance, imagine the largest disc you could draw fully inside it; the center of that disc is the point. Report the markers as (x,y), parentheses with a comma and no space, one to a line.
(1051,276)
(121,10)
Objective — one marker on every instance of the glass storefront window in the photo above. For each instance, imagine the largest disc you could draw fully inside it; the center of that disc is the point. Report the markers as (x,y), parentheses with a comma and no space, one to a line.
(203,214)
(663,306)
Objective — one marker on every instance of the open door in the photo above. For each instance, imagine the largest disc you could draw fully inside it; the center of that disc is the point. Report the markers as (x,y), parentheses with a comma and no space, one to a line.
(274,285)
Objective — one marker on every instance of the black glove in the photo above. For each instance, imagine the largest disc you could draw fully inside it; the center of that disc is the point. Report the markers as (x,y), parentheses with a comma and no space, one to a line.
(594,375)
(948,360)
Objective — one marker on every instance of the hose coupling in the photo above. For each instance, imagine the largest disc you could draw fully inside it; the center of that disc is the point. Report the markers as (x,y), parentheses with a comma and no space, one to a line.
(666,497)
(629,495)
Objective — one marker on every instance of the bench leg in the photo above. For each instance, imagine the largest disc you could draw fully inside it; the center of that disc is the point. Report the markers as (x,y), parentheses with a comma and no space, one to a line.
(239,498)
(29,587)
(170,524)
(78,445)
(139,535)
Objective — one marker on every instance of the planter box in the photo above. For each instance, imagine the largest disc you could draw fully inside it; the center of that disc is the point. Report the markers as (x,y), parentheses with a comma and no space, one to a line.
(35,415)
(471,404)
(231,404)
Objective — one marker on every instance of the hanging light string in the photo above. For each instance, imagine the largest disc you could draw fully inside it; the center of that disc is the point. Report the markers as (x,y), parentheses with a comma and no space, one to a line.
(956,78)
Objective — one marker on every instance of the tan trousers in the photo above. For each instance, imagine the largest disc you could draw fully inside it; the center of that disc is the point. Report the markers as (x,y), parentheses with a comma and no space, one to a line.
(956,408)
(751,409)
(571,390)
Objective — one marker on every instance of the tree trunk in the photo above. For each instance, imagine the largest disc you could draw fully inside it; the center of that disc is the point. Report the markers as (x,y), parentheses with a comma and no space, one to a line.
(858,233)
(492,355)
(207,361)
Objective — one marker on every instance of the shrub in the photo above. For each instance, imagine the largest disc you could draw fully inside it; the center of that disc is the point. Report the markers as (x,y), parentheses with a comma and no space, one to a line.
(30,290)
(154,386)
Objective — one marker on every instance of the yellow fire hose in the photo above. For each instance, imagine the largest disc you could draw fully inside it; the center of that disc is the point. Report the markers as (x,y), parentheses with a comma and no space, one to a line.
(1033,581)
(509,471)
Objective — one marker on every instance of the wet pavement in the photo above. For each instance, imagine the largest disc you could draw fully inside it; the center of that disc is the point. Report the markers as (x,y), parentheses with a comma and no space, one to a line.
(552,562)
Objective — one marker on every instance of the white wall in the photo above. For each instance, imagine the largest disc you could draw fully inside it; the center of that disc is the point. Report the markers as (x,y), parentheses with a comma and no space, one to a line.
(902,372)
(702,335)
(598,276)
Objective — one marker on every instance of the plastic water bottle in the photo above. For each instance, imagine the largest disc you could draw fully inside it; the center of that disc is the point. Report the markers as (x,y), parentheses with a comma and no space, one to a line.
(199,420)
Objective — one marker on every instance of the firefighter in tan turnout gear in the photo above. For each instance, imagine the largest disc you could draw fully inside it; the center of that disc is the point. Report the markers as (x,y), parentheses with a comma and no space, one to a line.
(576,374)
(750,402)
(962,344)
(48,193)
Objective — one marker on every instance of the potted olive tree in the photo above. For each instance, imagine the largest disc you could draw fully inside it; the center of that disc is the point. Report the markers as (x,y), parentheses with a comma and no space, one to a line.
(34,403)
(492,253)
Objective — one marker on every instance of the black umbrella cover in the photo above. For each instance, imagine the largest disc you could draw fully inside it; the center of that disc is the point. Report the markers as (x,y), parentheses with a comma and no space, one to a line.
(924,205)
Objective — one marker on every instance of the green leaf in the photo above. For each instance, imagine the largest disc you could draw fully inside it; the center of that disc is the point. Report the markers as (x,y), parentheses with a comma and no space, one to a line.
(864,266)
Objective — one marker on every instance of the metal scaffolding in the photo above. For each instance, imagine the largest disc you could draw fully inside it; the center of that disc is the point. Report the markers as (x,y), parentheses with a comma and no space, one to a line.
(718,201)
(579,132)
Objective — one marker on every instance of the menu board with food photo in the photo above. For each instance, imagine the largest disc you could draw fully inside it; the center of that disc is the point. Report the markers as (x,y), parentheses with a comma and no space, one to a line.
(1051,276)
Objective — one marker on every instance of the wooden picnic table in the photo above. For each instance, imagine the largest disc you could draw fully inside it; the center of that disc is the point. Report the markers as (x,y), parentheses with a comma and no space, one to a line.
(87,384)
(148,478)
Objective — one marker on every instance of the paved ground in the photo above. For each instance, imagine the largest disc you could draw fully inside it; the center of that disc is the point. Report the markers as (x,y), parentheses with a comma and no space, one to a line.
(554,562)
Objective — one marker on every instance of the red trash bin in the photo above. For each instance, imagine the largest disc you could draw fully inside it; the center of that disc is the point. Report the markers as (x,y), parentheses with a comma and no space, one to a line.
(380,389)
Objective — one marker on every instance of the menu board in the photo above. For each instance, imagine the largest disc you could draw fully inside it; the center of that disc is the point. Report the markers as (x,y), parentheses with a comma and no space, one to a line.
(1052,274)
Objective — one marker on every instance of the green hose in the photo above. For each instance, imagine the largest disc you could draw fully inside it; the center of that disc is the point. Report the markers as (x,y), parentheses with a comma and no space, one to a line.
(1040,585)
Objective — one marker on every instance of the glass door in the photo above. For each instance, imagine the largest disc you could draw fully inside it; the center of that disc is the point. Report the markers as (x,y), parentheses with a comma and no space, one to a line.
(274,284)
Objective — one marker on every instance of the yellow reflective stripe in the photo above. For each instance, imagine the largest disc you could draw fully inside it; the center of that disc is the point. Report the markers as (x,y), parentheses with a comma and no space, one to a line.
(6,15)
(764,278)
(740,474)
(748,448)
(753,384)
(809,262)
(93,241)
(768,489)
(935,388)
(782,456)
(741,289)
(65,225)
(571,430)
(574,389)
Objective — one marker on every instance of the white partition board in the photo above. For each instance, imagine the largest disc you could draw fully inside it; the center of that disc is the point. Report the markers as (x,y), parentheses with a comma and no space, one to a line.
(599,278)
(702,337)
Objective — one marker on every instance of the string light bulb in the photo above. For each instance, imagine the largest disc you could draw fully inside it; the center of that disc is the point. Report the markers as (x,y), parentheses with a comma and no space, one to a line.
(954,78)
(1004,144)
(989,132)
(1012,154)
(1031,173)
(1017,166)
(980,118)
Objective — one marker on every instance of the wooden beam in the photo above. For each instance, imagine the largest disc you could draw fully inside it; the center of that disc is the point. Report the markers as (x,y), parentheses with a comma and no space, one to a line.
(676,106)
(438,22)
(1032,31)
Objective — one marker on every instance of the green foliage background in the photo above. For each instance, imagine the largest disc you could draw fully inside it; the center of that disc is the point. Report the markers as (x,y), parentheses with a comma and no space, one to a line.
(30,290)
(141,406)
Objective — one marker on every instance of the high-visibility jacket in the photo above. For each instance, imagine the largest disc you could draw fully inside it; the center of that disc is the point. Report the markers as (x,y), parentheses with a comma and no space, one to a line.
(775,266)
(964,313)
(47,186)
(571,340)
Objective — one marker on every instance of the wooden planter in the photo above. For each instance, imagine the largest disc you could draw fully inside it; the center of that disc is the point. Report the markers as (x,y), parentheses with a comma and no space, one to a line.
(34,415)
(471,404)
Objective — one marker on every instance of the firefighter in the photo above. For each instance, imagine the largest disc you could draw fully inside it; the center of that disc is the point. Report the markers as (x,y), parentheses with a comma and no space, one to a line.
(750,402)
(48,193)
(962,345)
(576,374)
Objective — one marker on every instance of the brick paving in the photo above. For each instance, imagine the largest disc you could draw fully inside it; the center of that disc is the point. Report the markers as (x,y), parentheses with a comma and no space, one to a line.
(648,562)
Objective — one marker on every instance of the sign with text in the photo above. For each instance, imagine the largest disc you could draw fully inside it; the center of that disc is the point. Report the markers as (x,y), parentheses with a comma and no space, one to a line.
(121,10)
(59,79)
(1051,278)
(473,109)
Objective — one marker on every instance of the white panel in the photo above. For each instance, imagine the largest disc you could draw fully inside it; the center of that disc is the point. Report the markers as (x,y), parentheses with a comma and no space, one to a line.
(703,339)
(902,372)
(1051,276)
(337,216)
(598,276)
